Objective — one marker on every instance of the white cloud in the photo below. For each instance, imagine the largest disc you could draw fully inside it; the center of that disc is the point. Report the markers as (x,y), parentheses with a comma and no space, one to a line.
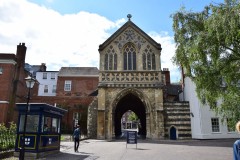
(168,51)
(63,40)
(51,38)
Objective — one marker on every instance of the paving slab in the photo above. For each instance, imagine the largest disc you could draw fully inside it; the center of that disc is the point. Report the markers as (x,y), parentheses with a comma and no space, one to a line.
(92,149)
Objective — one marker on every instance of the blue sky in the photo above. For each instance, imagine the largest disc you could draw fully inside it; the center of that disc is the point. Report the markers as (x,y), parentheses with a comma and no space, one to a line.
(149,15)
(67,33)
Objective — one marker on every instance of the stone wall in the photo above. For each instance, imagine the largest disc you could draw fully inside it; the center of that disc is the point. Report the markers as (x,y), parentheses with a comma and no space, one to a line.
(177,114)
(92,119)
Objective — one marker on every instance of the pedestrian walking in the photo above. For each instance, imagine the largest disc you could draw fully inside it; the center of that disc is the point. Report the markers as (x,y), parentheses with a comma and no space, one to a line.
(76,136)
(236,145)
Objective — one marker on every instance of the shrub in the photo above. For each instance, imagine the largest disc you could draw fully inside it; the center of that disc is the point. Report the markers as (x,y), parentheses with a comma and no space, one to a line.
(7,136)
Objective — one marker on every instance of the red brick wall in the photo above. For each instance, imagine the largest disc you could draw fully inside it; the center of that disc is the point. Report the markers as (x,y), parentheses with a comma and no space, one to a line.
(167,76)
(13,88)
(3,117)
(78,96)
(81,86)
(6,81)
(69,103)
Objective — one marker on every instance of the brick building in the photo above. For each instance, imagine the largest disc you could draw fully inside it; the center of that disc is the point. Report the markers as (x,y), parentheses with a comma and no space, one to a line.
(73,86)
(13,88)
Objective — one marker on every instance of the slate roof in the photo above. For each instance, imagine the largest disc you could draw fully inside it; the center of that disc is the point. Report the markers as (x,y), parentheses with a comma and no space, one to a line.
(173,89)
(94,93)
(33,69)
(78,72)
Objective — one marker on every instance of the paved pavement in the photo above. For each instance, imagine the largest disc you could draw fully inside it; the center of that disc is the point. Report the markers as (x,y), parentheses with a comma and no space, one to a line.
(147,149)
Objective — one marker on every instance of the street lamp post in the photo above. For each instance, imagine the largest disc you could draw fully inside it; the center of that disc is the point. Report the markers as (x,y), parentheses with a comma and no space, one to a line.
(30,83)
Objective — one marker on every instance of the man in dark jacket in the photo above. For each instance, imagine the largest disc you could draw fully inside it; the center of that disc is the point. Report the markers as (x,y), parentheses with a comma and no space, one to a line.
(76,136)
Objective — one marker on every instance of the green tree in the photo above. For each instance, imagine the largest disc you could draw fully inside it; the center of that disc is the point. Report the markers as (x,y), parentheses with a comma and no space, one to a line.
(133,117)
(208,50)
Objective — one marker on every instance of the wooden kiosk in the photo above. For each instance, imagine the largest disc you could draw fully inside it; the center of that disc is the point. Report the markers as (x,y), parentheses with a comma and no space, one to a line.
(42,133)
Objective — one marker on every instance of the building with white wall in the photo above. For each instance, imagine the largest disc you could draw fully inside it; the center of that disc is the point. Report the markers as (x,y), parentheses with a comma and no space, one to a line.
(205,124)
(47,83)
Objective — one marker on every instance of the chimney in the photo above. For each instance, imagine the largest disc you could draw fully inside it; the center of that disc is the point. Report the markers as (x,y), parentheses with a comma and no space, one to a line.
(166,72)
(21,54)
(43,67)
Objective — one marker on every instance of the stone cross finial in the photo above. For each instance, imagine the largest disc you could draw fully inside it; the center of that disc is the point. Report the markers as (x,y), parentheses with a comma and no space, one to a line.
(129,16)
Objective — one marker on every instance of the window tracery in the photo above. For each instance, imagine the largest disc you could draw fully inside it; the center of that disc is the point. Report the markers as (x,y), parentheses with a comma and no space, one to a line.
(148,58)
(110,59)
(129,54)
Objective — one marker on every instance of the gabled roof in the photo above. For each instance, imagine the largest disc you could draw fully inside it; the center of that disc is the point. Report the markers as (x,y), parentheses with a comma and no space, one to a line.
(78,72)
(129,23)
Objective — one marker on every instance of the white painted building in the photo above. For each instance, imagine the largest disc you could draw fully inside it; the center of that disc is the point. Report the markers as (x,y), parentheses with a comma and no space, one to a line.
(205,124)
(47,83)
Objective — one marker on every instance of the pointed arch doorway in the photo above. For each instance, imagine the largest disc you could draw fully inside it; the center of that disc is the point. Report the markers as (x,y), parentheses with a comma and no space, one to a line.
(133,103)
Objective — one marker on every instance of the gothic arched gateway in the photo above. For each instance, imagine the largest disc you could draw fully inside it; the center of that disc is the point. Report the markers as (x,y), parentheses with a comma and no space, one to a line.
(130,78)
(130,99)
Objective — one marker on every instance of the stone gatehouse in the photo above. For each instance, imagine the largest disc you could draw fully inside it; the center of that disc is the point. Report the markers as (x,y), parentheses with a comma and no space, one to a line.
(130,78)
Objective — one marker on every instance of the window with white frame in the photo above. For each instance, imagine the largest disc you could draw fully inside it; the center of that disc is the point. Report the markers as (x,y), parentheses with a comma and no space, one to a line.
(1,70)
(52,75)
(44,75)
(215,125)
(67,85)
(76,115)
(54,89)
(45,88)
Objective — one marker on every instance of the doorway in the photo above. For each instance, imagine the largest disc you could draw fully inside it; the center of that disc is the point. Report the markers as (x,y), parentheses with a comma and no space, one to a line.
(173,133)
(133,103)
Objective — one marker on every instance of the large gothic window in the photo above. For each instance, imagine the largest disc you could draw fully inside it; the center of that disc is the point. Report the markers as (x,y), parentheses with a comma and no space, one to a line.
(110,59)
(129,53)
(148,58)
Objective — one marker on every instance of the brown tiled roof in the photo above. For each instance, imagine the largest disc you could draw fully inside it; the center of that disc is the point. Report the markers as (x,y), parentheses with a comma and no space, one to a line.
(78,71)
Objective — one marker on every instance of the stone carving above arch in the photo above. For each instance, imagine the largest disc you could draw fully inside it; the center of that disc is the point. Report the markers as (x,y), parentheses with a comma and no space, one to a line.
(129,35)
(135,92)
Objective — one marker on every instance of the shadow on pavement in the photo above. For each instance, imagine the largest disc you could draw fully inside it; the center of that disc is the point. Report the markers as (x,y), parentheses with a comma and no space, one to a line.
(192,142)
(69,156)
